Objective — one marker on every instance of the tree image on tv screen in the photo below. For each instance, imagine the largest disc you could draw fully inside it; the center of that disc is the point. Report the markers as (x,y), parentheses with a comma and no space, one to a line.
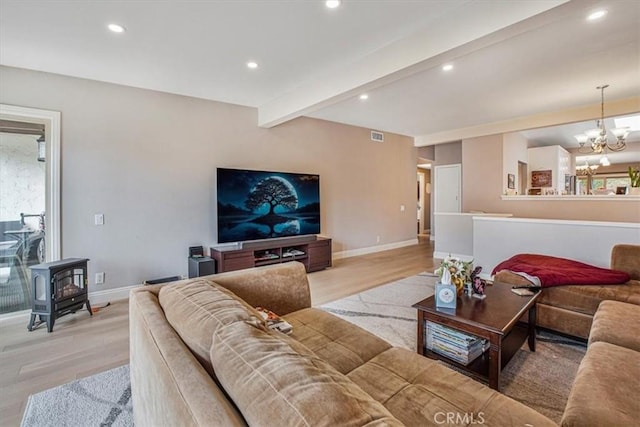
(273,191)
(257,205)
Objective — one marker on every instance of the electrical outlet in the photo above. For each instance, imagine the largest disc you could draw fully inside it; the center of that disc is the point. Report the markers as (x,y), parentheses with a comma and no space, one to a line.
(377,239)
(401,208)
(100,278)
(99,219)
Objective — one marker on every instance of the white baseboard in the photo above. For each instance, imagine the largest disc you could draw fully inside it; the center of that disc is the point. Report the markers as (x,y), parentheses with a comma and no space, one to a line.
(374,249)
(443,255)
(108,295)
(96,298)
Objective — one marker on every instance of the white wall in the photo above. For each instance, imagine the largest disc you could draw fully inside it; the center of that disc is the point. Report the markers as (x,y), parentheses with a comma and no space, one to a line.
(497,239)
(147,161)
(22,178)
(456,234)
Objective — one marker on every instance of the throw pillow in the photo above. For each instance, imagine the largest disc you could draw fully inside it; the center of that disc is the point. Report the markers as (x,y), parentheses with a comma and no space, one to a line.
(195,309)
(275,380)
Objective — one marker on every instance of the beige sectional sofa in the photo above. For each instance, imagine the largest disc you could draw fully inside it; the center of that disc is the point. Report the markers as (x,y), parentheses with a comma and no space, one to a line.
(202,356)
(607,385)
(570,309)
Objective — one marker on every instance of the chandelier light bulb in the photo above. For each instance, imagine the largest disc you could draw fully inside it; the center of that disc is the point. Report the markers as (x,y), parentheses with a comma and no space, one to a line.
(581,138)
(593,133)
(620,132)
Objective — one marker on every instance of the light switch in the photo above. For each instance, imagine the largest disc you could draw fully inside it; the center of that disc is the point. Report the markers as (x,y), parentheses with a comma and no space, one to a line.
(99,219)
(401,208)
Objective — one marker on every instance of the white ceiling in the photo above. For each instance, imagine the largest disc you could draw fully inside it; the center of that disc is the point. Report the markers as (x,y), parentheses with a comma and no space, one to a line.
(511,58)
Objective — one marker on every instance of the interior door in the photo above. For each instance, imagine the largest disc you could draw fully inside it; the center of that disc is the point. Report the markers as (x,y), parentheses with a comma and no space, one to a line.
(448,188)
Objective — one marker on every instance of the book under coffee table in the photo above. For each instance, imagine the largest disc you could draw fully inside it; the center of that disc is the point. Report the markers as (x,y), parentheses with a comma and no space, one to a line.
(495,319)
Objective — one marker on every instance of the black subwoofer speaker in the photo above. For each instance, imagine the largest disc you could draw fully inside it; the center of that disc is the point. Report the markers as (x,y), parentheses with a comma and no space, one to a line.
(201,266)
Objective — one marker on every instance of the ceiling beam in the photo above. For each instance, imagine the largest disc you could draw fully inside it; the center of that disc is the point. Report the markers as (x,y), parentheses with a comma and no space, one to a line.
(477,22)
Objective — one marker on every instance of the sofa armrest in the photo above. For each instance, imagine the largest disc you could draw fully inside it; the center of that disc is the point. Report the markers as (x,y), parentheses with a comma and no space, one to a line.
(626,258)
(281,288)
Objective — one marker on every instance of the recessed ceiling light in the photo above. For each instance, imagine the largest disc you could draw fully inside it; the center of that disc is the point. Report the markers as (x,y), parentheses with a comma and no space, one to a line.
(364,96)
(596,15)
(332,4)
(447,67)
(252,65)
(116,28)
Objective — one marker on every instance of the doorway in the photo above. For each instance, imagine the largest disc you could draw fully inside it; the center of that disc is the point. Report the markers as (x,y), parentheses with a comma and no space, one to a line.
(424,210)
(29,206)
(522,178)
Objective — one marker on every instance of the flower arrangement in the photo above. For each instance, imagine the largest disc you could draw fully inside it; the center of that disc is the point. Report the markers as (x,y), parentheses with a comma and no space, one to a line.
(461,271)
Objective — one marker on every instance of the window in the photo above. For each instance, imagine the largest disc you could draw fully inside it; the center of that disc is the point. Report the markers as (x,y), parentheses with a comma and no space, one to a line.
(600,182)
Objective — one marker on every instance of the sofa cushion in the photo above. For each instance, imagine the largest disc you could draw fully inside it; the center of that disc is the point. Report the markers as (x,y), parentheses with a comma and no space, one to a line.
(617,323)
(275,380)
(605,391)
(586,299)
(342,344)
(420,391)
(582,299)
(195,309)
(625,257)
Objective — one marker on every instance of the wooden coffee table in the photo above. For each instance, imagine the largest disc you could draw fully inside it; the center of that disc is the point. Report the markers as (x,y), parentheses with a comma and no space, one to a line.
(495,318)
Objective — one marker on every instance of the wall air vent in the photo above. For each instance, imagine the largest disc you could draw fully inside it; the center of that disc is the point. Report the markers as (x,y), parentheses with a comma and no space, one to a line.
(377,136)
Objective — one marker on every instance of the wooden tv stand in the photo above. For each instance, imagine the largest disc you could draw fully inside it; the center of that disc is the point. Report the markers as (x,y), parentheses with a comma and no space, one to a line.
(314,254)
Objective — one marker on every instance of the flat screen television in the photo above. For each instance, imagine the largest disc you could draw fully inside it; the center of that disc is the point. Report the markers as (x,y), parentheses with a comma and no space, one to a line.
(254,205)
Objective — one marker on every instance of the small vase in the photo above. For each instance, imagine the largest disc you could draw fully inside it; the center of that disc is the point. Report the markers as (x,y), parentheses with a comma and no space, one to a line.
(459,285)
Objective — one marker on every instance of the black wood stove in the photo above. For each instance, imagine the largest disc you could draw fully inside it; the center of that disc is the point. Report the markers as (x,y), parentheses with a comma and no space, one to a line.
(58,288)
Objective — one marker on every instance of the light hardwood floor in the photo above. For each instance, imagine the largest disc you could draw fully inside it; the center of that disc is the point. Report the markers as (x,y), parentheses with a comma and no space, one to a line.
(81,345)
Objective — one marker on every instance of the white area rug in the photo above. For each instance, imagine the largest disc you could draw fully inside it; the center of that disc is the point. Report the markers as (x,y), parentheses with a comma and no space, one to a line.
(102,400)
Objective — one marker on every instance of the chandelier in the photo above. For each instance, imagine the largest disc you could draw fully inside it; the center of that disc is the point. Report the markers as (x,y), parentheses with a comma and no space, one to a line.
(598,139)
(586,169)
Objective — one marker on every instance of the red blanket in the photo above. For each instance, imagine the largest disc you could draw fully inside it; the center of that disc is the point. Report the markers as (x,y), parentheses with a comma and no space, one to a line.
(554,271)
